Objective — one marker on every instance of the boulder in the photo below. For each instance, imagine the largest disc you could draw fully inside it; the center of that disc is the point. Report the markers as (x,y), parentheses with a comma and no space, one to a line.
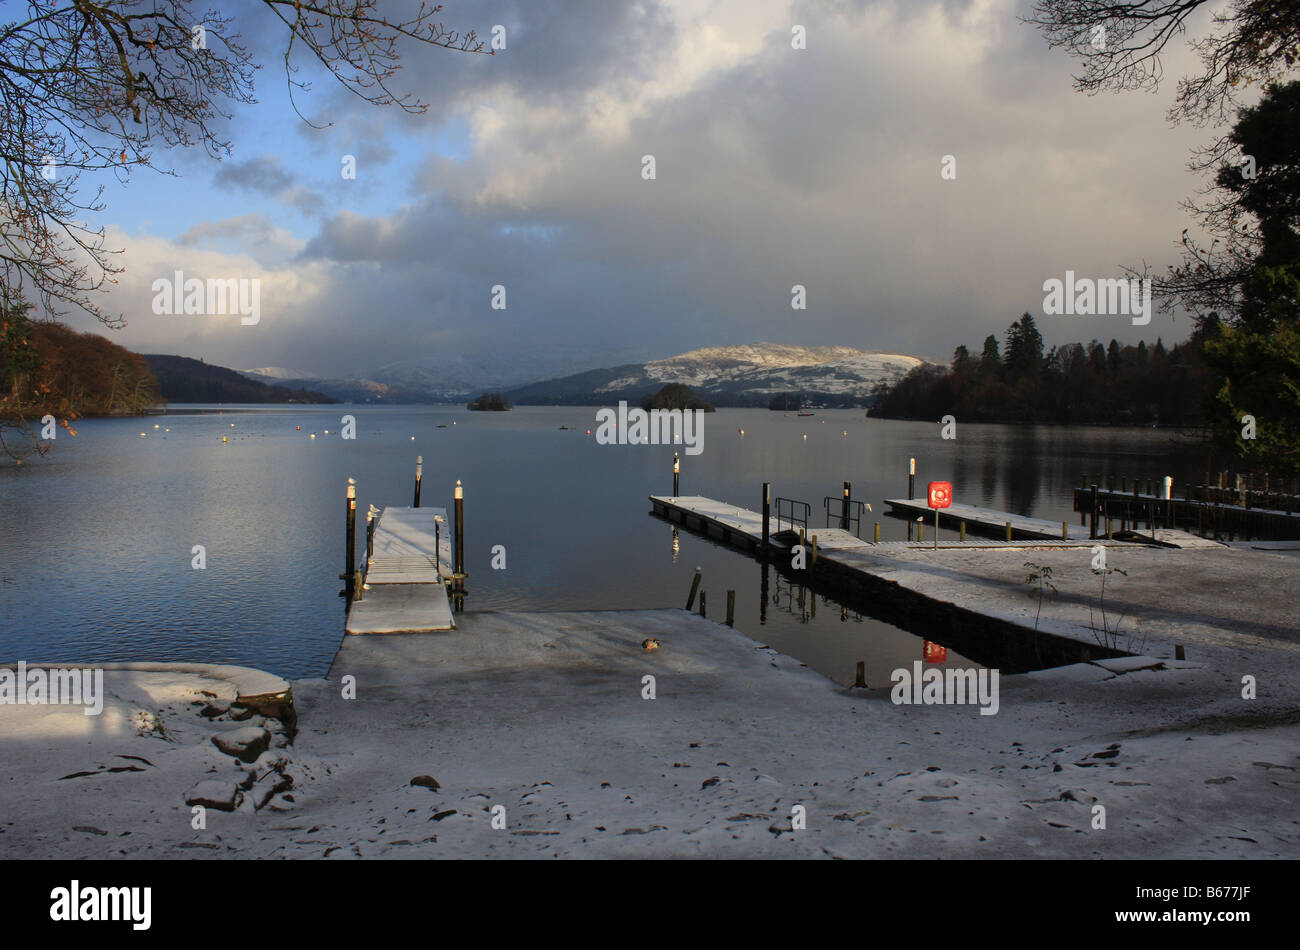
(221,794)
(245,744)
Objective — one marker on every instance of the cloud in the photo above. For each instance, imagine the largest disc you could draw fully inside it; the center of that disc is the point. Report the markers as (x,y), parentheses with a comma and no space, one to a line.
(775,167)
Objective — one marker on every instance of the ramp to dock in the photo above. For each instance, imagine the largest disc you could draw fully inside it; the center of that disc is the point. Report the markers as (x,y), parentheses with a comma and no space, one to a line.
(406,575)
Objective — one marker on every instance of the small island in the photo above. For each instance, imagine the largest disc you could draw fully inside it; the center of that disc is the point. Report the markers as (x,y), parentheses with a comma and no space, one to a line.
(675,396)
(489,402)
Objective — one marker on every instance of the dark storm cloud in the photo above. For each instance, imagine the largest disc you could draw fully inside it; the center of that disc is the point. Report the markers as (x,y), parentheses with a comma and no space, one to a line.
(776,167)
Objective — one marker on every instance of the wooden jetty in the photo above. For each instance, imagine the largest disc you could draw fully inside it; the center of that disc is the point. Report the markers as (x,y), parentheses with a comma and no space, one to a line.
(987,520)
(738,526)
(407,573)
(1205,510)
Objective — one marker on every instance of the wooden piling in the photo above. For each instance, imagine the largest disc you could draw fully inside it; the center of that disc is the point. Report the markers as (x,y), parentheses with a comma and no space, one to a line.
(1065,531)
(677,471)
(963,532)
(844,507)
(731,608)
(459,498)
(350,555)
(875,536)
(911,489)
(1179,652)
(767,513)
(419,477)
(1008,530)
(860,675)
(695,586)
(703,611)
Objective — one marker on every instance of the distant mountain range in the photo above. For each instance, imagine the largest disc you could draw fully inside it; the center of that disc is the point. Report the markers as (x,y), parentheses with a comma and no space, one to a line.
(746,375)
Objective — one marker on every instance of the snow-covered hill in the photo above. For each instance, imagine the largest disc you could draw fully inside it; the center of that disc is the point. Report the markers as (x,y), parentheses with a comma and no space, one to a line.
(743,374)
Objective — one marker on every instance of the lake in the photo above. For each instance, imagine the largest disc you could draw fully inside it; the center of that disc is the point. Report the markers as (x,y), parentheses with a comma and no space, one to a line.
(96,538)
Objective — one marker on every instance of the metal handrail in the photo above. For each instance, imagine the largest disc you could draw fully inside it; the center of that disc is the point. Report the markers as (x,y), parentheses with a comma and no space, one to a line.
(856,508)
(794,519)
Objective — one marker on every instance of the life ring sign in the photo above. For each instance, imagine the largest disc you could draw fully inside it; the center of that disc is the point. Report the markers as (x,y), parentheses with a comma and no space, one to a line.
(939,494)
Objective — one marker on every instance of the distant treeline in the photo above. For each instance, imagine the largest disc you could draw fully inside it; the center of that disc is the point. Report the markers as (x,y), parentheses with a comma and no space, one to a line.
(1078,383)
(46,367)
(187,380)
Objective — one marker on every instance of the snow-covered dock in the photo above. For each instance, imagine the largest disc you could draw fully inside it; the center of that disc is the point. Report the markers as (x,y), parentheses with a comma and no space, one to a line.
(740,526)
(406,575)
(988,520)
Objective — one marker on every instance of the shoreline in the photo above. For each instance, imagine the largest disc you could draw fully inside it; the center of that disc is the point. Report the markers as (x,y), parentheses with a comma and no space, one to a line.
(543,713)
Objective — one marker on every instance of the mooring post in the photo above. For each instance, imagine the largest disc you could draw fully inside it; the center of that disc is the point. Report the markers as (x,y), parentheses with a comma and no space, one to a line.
(936,529)
(860,675)
(963,532)
(695,586)
(703,611)
(350,556)
(1179,652)
(459,497)
(875,536)
(844,508)
(1092,523)
(767,513)
(731,608)
(419,475)
(371,512)
(1065,531)
(814,549)
(920,529)
(1008,530)
(677,471)
(911,486)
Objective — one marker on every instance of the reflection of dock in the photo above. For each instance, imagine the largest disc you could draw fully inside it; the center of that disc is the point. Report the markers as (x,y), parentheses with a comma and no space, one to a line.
(406,574)
(987,520)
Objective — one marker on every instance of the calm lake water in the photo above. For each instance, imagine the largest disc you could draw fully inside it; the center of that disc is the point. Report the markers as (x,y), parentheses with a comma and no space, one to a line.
(96,538)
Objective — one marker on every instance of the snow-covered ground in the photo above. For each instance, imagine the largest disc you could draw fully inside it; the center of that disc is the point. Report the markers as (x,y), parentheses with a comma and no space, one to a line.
(542,720)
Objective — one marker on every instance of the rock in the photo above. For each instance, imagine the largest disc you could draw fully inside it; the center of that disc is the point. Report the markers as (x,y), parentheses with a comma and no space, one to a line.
(213,710)
(245,744)
(269,785)
(220,794)
(426,781)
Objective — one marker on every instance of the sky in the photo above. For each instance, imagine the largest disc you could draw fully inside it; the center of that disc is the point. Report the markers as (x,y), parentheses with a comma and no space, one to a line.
(774,166)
